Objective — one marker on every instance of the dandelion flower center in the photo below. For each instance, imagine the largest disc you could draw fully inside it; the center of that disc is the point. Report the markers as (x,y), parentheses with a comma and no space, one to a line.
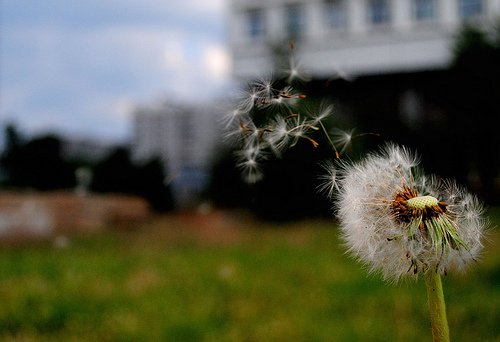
(407,206)
(422,202)
(428,217)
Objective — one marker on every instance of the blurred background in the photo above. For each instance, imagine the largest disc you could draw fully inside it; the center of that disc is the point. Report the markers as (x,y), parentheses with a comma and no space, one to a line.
(117,187)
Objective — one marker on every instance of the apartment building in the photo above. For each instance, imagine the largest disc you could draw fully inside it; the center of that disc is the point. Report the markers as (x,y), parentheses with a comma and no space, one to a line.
(385,65)
(184,138)
(353,37)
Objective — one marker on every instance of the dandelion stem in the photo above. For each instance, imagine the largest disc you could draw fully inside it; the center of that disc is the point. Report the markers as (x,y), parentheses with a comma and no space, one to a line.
(437,307)
(329,140)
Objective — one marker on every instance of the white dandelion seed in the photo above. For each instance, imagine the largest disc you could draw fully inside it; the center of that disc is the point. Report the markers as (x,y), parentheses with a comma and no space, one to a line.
(270,115)
(402,223)
(263,91)
(342,139)
(232,116)
(278,136)
(325,110)
(282,104)
(285,99)
(297,132)
(329,180)
(296,71)
(248,100)
(249,164)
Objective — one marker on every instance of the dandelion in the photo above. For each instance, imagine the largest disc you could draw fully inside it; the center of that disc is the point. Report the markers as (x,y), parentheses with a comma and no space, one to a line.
(402,223)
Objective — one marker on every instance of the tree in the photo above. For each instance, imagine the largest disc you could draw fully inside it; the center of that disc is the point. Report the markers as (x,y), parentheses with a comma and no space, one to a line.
(10,155)
(151,178)
(474,103)
(117,173)
(35,164)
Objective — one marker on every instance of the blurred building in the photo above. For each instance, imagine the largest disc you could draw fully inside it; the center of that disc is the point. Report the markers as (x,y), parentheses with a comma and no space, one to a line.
(351,37)
(390,67)
(183,137)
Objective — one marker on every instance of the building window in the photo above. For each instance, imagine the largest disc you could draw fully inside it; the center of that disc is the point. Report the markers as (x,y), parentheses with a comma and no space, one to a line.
(336,13)
(424,10)
(378,12)
(255,23)
(294,20)
(470,8)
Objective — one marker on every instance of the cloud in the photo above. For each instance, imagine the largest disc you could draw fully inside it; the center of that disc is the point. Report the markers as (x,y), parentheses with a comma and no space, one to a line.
(174,56)
(77,69)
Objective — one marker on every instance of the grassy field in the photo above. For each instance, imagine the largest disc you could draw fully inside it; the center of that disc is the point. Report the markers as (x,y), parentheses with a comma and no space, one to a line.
(228,278)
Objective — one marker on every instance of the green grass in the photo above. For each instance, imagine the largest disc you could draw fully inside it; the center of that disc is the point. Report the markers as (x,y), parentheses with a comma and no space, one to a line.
(287,283)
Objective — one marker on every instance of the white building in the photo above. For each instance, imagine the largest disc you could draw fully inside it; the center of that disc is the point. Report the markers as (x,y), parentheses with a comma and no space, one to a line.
(357,37)
(402,85)
(183,138)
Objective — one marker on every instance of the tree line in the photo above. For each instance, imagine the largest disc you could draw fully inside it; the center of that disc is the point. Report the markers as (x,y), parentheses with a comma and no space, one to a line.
(38,163)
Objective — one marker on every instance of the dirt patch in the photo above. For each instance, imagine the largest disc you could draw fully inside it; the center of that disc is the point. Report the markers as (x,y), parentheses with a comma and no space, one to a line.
(33,214)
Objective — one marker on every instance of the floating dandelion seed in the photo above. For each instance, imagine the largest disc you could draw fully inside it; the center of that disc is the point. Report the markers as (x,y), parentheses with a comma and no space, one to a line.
(342,139)
(328,180)
(402,223)
(296,71)
(325,110)
(268,119)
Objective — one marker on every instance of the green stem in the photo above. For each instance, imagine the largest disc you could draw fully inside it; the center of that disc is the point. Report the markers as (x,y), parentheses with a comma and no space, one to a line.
(437,307)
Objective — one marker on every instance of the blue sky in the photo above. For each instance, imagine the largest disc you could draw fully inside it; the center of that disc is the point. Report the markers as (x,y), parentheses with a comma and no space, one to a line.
(78,67)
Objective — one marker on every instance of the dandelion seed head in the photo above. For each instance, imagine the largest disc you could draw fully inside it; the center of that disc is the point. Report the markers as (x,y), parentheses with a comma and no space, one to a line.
(401,223)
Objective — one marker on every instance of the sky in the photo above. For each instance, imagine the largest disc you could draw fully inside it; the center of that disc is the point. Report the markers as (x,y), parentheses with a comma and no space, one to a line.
(79,67)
